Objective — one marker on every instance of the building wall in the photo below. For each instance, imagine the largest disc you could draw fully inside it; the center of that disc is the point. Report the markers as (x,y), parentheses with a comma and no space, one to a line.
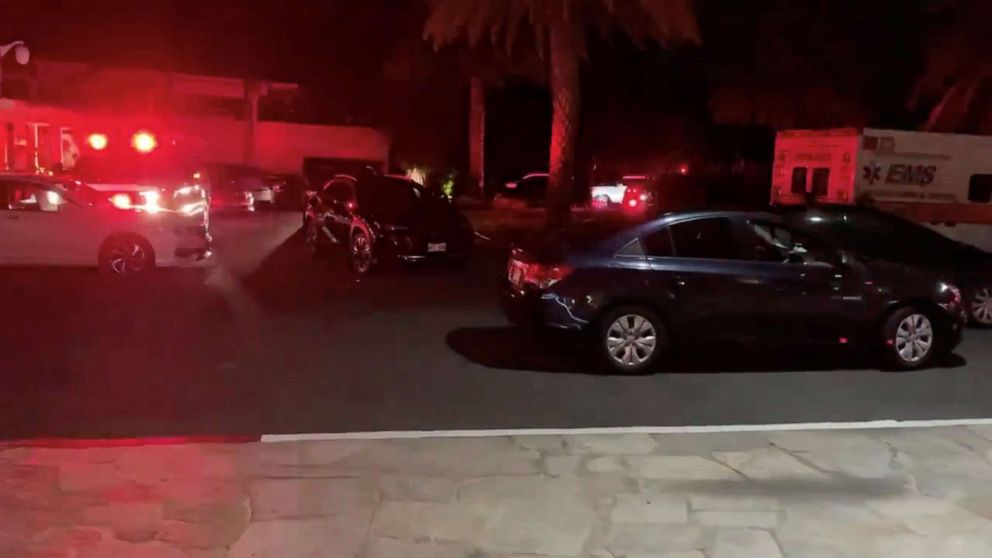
(280,146)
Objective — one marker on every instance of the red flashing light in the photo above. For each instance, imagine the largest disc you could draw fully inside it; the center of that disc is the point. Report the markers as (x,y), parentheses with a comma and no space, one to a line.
(97,142)
(144,142)
(632,203)
(684,168)
(121,201)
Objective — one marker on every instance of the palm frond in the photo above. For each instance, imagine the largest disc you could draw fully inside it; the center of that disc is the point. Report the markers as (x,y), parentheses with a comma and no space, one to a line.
(656,20)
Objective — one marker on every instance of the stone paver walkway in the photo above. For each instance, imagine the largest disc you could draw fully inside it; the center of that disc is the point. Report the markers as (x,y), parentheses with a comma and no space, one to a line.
(903,492)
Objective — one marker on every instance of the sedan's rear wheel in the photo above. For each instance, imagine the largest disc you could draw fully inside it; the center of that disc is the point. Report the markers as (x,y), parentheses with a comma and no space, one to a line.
(126,255)
(632,339)
(911,339)
(980,309)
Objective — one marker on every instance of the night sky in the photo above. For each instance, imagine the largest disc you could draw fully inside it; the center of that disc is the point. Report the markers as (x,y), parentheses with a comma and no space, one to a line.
(870,50)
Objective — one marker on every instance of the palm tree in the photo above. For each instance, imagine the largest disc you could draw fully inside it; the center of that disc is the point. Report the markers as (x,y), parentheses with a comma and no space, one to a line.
(559,29)
(786,68)
(955,85)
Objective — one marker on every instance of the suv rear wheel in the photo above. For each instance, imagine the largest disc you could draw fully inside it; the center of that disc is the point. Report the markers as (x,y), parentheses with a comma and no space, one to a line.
(362,256)
(632,339)
(910,338)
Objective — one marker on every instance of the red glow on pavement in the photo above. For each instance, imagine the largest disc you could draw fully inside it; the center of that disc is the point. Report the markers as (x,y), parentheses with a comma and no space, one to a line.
(130,442)
(97,141)
(144,142)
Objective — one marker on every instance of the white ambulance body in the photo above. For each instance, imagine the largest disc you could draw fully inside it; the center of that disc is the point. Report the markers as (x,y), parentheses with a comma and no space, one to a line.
(943,180)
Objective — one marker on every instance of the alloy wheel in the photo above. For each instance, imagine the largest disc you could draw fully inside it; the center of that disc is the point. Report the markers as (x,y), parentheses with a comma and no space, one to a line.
(361,253)
(127,257)
(981,306)
(631,340)
(914,338)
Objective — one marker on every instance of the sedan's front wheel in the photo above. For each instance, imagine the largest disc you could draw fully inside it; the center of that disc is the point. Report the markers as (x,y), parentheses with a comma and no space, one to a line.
(910,339)
(632,339)
(126,255)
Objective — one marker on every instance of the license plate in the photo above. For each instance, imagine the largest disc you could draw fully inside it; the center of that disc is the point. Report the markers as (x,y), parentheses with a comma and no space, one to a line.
(437,247)
(516,275)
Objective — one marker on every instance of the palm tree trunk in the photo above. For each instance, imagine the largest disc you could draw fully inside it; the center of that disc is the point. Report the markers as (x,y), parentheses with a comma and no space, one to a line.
(564,122)
(477,137)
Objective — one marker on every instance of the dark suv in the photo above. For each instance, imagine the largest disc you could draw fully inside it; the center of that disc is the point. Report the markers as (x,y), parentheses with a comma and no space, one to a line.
(381,218)
(881,236)
(719,275)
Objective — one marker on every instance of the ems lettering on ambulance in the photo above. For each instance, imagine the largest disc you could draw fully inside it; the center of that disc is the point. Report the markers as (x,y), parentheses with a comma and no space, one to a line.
(899,173)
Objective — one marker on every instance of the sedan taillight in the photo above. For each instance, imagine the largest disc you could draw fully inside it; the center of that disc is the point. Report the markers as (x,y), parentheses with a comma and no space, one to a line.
(543,276)
(540,275)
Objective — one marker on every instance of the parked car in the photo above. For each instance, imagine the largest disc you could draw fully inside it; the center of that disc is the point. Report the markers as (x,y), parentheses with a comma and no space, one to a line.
(882,236)
(382,218)
(652,196)
(48,220)
(606,195)
(236,187)
(289,190)
(726,275)
(529,191)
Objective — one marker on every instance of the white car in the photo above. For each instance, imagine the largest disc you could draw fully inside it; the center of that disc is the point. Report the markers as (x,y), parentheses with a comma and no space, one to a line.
(606,195)
(46,220)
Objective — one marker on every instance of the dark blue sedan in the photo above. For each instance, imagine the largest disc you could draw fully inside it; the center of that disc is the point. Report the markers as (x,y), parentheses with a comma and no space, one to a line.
(636,289)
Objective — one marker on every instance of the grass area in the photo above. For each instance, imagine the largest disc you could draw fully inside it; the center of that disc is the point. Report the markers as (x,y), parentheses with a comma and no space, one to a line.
(509,225)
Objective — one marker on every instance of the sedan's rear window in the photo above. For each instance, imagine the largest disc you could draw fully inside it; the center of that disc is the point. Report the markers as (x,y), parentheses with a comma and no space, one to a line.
(704,238)
(587,235)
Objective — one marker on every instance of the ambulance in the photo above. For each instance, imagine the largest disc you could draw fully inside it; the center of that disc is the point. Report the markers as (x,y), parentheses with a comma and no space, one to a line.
(942,180)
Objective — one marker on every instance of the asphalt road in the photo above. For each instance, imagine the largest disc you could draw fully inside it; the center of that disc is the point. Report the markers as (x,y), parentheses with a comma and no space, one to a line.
(267,339)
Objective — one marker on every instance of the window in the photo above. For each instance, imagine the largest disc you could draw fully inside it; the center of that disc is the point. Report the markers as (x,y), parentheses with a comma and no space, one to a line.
(980,188)
(633,248)
(341,191)
(389,197)
(821,181)
(21,197)
(799,180)
(704,238)
(771,242)
(658,243)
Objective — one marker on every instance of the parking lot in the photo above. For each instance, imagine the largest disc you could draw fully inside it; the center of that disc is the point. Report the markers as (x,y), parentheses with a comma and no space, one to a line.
(266,339)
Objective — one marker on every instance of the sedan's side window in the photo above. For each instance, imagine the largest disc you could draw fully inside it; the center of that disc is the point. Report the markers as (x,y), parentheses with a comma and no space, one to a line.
(658,243)
(704,238)
(771,242)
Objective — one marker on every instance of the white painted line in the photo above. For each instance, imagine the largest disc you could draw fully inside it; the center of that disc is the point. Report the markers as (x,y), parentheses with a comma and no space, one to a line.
(418,434)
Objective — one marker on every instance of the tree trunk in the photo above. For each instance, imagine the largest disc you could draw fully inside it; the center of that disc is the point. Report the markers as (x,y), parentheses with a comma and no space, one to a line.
(477,137)
(564,122)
